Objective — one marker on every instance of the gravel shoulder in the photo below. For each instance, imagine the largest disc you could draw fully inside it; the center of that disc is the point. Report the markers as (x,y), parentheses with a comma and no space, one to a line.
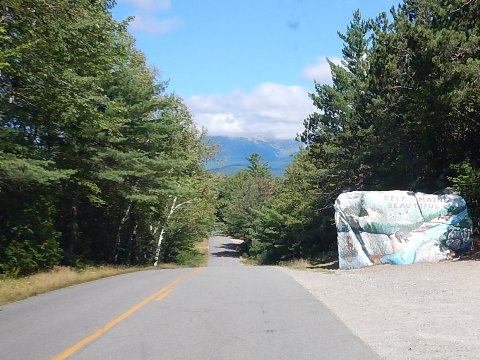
(420,311)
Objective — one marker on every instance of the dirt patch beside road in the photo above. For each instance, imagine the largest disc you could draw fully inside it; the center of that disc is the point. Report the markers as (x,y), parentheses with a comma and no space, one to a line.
(420,311)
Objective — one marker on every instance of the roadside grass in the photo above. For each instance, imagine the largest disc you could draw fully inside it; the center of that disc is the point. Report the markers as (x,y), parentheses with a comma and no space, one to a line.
(296,264)
(14,289)
(245,260)
(326,263)
(202,250)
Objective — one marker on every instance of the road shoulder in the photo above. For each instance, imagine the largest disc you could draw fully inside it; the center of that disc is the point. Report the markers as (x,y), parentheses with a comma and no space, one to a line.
(420,311)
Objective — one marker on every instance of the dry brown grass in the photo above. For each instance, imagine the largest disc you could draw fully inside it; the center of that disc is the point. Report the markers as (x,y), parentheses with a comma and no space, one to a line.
(248,261)
(21,288)
(297,264)
(301,264)
(202,248)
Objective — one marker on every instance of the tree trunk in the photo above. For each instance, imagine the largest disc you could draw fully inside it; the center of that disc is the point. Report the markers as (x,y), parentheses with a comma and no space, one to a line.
(131,243)
(157,252)
(119,232)
(70,236)
(162,231)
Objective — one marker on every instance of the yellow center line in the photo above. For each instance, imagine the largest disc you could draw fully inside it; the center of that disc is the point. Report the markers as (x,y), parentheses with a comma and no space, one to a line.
(159,295)
(164,294)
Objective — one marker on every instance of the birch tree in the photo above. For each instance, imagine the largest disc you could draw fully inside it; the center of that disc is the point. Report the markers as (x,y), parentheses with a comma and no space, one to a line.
(161,234)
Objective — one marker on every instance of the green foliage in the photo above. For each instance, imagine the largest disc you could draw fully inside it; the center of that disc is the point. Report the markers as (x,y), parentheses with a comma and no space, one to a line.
(245,207)
(88,132)
(257,167)
(19,259)
(98,163)
(403,108)
(192,222)
(467,183)
(244,193)
(422,69)
(28,238)
(23,258)
(298,222)
(402,113)
(339,136)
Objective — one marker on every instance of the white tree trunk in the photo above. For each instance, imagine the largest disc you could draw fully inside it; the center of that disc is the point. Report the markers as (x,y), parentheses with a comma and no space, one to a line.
(122,222)
(162,230)
(159,245)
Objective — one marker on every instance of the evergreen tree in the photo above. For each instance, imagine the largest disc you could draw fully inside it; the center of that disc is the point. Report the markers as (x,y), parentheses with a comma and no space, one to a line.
(241,196)
(338,136)
(92,147)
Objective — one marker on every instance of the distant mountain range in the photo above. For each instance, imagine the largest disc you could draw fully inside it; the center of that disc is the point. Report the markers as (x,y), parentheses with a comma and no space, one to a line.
(232,153)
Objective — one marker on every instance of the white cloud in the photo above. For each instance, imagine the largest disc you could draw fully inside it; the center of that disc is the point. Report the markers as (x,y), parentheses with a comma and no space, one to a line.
(269,111)
(153,25)
(147,17)
(150,5)
(320,71)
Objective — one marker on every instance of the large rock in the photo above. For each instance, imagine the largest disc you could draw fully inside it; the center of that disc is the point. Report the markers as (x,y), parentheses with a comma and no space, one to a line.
(399,227)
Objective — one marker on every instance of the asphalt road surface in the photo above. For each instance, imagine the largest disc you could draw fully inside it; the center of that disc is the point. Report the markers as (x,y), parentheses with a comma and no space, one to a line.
(225,311)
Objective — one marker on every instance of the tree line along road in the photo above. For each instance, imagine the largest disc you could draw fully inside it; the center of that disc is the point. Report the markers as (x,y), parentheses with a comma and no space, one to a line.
(223,311)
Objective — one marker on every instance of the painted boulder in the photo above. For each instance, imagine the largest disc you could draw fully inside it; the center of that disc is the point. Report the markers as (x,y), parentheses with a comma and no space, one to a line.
(400,227)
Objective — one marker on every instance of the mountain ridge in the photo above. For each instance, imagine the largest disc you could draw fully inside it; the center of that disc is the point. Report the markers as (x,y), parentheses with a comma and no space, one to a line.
(233,151)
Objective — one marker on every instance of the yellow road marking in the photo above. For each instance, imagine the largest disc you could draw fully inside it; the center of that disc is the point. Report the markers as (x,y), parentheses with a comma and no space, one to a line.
(164,294)
(183,277)
(160,294)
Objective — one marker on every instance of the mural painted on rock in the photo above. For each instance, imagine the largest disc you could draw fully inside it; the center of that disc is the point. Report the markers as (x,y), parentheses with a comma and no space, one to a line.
(400,227)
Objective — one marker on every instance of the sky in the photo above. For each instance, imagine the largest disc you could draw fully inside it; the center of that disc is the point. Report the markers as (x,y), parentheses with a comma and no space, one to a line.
(244,67)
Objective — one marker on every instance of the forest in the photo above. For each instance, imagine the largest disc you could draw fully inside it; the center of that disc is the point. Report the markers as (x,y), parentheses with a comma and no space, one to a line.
(403,113)
(100,164)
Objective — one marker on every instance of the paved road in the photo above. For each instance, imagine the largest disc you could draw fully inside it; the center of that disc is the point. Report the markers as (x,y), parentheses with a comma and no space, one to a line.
(223,252)
(225,311)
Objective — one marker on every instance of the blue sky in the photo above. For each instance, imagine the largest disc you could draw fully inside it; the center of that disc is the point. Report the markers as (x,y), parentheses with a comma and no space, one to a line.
(244,68)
